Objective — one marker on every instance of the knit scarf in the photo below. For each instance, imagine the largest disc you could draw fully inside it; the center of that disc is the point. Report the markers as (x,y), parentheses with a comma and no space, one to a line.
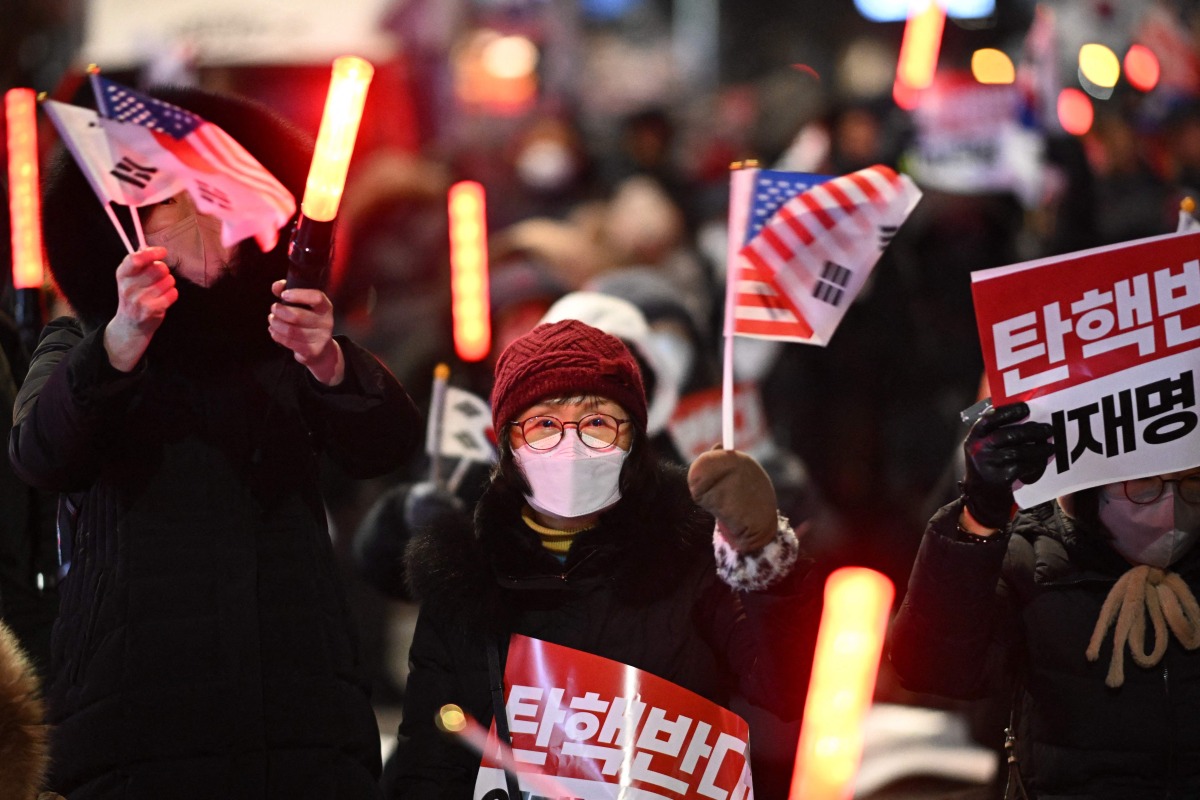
(1165,599)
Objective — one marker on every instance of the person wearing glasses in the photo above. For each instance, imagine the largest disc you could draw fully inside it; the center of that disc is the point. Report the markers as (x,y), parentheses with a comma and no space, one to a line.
(1082,609)
(585,539)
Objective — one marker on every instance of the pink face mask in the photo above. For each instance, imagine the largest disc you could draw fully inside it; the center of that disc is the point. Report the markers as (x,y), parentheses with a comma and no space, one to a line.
(572,480)
(1157,534)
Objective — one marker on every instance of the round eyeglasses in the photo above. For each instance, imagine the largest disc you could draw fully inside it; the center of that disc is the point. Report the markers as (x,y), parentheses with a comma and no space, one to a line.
(1146,490)
(543,432)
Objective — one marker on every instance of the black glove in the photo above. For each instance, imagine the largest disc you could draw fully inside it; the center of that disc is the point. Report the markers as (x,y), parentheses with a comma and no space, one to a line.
(999,452)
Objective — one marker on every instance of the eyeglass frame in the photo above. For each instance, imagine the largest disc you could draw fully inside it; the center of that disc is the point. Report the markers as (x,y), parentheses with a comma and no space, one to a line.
(520,426)
(1161,488)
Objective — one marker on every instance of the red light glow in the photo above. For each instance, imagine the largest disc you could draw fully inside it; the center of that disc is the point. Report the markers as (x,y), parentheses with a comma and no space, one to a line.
(1142,69)
(845,666)
(24,206)
(469,271)
(1075,112)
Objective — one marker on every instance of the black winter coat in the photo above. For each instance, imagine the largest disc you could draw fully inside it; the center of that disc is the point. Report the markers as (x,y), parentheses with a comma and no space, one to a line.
(1022,607)
(640,588)
(202,649)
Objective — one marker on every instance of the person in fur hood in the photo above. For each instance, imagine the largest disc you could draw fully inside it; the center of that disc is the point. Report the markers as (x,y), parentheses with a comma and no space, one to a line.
(203,647)
(1082,610)
(584,539)
(23,750)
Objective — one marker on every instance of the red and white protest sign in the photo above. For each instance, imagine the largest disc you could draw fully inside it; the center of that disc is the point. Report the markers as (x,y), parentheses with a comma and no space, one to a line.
(1104,345)
(601,730)
(695,426)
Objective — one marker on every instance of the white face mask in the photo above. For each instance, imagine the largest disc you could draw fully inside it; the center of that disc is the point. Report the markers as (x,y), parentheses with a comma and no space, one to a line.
(545,165)
(572,480)
(194,243)
(1157,534)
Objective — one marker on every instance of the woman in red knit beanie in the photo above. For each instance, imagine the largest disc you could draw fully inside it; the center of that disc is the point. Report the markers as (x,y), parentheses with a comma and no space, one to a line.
(585,540)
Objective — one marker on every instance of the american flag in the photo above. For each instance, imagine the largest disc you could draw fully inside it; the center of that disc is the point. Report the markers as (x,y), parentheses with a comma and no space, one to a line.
(223,179)
(807,246)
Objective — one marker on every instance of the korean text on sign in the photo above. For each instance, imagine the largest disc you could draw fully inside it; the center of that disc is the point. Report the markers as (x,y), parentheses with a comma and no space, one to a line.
(1104,345)
(600,727)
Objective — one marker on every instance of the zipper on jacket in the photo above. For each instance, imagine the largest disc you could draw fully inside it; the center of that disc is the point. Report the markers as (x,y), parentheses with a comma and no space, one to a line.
(560,577)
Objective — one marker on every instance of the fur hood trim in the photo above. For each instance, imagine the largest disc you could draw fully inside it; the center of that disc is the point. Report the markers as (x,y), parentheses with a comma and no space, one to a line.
(24,752)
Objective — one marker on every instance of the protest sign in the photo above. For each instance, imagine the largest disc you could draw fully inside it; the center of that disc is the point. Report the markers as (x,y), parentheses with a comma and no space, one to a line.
(1104,345)
(695,425)
(602,730)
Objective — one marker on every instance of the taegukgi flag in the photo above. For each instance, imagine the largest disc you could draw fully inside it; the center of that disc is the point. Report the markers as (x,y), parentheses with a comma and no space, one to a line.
(603,730)
(1104,345)
(116,174)
(808,243)
(139,150)
(465,428)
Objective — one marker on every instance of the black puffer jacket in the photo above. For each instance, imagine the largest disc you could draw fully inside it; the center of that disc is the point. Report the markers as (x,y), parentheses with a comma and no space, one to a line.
(641,588)
(202,648)
(978,616)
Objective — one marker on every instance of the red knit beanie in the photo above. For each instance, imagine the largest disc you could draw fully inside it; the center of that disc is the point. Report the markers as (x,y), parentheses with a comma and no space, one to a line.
(566,359)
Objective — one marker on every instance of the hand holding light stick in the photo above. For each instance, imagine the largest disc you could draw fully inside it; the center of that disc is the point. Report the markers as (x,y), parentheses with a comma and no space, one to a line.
(312,238)
(25,211)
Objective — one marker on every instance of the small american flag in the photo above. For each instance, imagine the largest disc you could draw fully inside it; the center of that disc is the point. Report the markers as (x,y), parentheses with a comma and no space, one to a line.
(808,245)
(223,179)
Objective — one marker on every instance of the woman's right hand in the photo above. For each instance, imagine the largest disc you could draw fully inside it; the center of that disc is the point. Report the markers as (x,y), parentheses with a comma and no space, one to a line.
(145,290)
(1001,449)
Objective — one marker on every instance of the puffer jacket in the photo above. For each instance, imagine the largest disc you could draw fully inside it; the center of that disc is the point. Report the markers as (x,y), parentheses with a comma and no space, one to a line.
(641,588)
(202,648)
(1018,611)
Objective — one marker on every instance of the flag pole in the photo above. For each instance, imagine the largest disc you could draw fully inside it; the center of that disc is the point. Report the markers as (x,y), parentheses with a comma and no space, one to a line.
(738,212)
(437,413)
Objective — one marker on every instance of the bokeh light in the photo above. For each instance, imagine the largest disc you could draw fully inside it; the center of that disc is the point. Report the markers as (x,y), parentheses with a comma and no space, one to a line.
(989,65)
(1099,65)
(510,57)
(1075,112)
(1142,69)
(897,10)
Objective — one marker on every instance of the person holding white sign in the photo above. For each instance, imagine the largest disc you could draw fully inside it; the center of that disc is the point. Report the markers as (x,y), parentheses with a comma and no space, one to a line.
(585,540)
(1083,607)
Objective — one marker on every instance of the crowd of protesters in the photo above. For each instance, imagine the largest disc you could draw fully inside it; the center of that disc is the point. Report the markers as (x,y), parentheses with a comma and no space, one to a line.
(861,439)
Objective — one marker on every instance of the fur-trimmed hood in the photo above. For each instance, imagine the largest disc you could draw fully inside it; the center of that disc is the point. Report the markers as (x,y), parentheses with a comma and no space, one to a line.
(83,250)
(643,547)
(24,753)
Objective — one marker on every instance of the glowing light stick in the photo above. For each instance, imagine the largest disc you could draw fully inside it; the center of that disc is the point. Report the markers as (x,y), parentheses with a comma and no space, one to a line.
(846,663)
(469,271)
(919,51)
(24,208)
(309,247)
